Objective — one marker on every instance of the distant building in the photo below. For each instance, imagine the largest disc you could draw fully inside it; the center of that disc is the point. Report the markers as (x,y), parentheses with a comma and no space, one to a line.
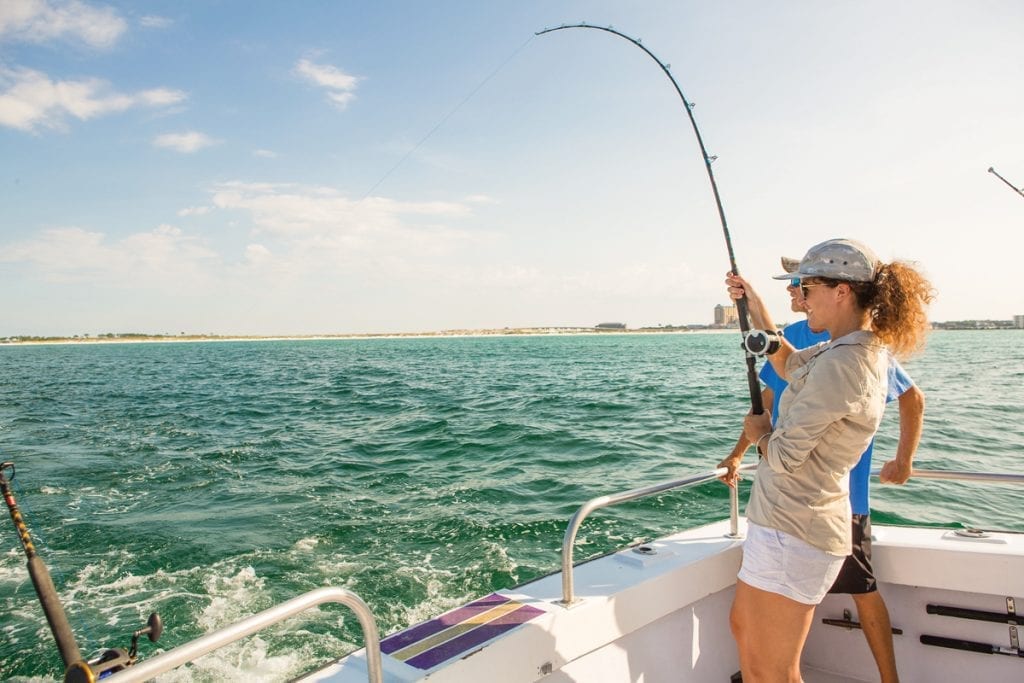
(726,316)
(1018,322)
(611,326)
(979,324)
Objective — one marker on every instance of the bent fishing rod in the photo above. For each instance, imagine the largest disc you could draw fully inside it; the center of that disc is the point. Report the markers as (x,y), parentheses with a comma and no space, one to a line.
(1012,186)
(755,342)
(76,669)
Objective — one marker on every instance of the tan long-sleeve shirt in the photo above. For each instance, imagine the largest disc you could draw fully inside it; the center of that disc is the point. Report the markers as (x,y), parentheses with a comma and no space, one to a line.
(828,415)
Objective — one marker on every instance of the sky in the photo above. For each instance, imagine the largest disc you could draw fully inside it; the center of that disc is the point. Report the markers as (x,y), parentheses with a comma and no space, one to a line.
(268,168)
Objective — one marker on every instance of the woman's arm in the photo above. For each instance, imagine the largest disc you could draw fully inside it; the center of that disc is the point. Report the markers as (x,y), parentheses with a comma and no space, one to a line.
(734,459)
(828,395)
(760,319)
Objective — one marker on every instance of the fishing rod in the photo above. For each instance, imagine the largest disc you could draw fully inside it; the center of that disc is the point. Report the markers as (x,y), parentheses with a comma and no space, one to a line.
(755,342)
(1013,187)
(76,669)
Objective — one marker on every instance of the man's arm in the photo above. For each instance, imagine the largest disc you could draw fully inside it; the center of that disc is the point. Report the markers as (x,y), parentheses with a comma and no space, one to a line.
(911,404)
(735,458)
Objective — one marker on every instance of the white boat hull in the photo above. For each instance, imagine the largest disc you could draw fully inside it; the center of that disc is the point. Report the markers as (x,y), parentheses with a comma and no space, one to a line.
(665,617)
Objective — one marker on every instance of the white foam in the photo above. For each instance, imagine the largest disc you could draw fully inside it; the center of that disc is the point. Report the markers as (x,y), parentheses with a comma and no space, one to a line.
(306,544)
(232,598)
(243,661)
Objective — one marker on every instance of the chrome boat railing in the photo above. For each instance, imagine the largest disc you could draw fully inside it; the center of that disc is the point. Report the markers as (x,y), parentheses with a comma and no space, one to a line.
(989,477)
(195,649)
(614,499)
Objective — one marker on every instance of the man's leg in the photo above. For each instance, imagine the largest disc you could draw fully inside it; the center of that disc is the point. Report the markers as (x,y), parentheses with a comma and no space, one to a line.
(874,620)
(857,577)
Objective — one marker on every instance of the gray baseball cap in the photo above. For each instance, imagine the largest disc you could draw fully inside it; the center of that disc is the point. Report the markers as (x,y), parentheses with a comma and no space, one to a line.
(838,259)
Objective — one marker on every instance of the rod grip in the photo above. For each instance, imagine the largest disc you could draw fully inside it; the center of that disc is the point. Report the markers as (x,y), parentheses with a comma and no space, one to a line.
(957,644)
(976,614)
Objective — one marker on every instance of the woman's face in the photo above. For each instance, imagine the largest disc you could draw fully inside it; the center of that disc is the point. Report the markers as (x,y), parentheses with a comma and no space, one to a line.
(819,301)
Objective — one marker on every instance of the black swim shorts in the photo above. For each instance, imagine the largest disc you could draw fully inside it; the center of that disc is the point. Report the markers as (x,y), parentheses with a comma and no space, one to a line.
(857,575)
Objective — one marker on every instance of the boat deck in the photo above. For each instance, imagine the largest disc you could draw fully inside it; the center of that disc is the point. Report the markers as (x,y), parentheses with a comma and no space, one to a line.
(814,675)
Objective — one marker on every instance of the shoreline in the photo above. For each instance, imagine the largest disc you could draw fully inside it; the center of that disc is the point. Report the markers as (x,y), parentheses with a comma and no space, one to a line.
(505,332)
(508,332)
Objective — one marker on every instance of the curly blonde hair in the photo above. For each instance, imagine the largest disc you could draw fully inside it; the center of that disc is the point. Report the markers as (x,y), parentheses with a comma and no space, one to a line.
(898,303)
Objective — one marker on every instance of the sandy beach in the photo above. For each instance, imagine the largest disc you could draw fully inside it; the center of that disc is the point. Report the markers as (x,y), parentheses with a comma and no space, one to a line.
(502,332)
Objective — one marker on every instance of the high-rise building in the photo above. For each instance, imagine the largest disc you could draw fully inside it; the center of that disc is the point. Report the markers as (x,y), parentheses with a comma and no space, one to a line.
(1018,322)
(726,316)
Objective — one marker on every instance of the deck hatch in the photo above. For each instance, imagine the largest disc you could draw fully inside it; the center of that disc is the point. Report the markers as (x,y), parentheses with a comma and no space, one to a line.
(455,633)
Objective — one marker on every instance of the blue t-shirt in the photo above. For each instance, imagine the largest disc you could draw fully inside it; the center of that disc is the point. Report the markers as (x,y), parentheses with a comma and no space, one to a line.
(800,336)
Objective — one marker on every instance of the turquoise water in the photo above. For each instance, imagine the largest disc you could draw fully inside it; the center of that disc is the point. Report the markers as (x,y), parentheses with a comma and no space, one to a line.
(209,481)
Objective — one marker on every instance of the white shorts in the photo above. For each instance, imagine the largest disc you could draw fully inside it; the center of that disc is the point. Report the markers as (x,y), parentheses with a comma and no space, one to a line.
(778,562)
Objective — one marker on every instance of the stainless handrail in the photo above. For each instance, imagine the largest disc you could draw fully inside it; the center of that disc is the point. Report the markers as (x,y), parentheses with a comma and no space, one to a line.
(210,642)
(991,477)
(605,501)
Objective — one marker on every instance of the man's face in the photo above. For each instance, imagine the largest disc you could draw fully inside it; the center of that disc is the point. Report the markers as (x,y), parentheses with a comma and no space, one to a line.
(796,298)
(797,303)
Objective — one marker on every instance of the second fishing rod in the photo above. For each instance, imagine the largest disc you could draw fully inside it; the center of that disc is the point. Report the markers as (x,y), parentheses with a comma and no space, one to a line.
(755,342)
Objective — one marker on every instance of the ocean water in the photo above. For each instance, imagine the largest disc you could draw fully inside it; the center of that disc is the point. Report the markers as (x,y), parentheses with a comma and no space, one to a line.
(209,481)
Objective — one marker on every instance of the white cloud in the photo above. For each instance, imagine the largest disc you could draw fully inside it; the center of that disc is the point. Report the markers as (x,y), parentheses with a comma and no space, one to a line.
(340,99)
(155,22)
(264,153)
(159,97)
(316,230)
(40,21)
(186,143)
(29,100)
(73,254)
(257,254)
(291,210)
(301,236)
(340,86)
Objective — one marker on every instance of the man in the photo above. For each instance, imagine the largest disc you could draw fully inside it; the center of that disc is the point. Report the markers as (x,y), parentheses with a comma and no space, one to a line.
(856,576)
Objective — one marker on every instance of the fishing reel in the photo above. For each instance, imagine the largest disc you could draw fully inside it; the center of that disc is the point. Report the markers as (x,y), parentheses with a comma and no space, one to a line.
(762,342)
(115,659)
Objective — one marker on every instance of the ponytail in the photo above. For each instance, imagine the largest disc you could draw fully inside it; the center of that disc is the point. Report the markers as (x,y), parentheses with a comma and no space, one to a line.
(897,301)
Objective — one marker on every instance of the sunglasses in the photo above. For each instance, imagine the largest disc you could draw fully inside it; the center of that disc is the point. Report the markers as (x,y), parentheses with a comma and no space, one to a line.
(795,282)
(805,287)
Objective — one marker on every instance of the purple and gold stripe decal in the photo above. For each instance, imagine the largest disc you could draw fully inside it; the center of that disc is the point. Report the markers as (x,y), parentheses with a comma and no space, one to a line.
(455,633)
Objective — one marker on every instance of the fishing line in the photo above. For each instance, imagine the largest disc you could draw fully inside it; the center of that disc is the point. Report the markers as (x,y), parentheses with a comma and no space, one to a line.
(1012,186)
(447,116)
(755,342)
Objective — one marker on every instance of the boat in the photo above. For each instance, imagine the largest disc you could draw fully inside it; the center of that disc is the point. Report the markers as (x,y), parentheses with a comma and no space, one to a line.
(659,611)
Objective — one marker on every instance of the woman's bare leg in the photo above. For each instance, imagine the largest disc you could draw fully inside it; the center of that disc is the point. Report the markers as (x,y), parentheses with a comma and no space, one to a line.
(770,631)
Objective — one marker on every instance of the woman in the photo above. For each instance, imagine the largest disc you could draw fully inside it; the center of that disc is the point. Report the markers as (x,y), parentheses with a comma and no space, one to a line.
(799,512)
